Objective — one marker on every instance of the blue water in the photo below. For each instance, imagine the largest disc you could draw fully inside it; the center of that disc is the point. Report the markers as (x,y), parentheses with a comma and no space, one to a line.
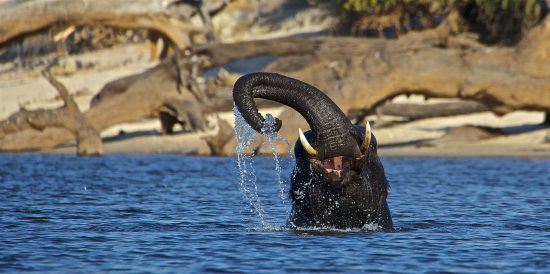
(169,213)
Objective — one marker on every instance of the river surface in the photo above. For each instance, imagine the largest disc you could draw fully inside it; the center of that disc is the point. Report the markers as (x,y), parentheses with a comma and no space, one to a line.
(169,213)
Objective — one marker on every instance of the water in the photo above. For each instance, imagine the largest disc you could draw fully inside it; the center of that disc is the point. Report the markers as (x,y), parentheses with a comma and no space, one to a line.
(169,213)
(245,136)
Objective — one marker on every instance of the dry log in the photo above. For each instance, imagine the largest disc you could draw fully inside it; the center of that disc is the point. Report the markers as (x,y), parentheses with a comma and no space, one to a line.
(68,118)
(18,18)
(463,134)
(217,142)
(205,9)
(124,100)
(359,74)
(411,112)
(187,114)
(363,73)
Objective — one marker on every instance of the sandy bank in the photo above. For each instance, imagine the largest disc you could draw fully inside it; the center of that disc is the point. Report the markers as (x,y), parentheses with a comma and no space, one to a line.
(524,139)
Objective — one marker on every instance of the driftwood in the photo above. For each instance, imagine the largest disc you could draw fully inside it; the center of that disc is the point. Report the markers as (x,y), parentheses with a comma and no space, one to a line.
(359,74)
(218,142)
(364,73)
(411,112)
(68,118)
(187,114)
(124,100)
(463,135)
(169,18)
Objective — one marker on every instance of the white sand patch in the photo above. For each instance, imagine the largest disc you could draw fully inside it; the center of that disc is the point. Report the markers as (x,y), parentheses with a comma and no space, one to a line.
(32,91)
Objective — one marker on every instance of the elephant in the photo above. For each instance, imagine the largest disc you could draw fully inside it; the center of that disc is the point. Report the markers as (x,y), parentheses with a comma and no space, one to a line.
(338,180)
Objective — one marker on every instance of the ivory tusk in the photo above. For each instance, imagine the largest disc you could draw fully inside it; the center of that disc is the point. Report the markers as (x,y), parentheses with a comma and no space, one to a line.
(367,140)
(310,150)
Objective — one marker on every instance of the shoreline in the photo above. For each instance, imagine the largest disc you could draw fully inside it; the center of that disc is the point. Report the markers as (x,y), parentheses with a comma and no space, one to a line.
(523,137)
(383,154)
(404,152)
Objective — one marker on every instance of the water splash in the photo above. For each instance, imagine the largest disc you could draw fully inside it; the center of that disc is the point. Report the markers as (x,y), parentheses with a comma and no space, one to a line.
(272,138)
(245,136)
(323,230)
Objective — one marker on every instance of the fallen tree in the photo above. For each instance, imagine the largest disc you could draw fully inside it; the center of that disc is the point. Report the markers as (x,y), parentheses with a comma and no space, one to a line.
(172,19)
(411,112)
(359,74)
(124,100)
(67,118)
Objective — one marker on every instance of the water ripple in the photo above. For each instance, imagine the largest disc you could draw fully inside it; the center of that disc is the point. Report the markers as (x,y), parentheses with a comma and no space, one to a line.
(167,213)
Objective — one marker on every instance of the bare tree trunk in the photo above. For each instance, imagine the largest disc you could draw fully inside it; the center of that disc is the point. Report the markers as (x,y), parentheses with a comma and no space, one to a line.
(18,18)
(217,142)
(412,112)
(67,117)
(359,74)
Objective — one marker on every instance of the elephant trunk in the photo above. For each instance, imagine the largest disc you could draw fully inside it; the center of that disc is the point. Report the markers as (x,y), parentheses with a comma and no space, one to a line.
(333,132)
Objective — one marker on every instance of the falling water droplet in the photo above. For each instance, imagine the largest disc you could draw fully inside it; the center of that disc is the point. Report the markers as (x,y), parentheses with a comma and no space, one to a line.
(272,138)
(245,135)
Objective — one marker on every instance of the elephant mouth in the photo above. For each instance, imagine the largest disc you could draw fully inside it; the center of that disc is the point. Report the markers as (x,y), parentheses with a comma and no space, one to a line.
(336,167)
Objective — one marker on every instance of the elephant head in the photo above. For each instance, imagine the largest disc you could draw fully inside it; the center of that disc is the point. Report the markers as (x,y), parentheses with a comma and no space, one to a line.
(333,132)
(338,180)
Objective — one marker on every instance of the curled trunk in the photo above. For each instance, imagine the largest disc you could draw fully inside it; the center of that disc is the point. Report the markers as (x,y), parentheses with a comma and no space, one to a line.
(334,134)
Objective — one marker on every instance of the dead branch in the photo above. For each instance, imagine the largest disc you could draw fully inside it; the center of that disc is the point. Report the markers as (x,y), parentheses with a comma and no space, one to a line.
(68,118)
(187,114)
(18,18)
(359,74)
(217,142)
(411,112)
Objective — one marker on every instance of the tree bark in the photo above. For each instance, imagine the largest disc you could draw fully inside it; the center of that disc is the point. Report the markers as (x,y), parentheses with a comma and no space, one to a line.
(411,112)
(18,18)
(187,114)
(358,74)
(217,142)
(68,118)
(505,79)
(124,100)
